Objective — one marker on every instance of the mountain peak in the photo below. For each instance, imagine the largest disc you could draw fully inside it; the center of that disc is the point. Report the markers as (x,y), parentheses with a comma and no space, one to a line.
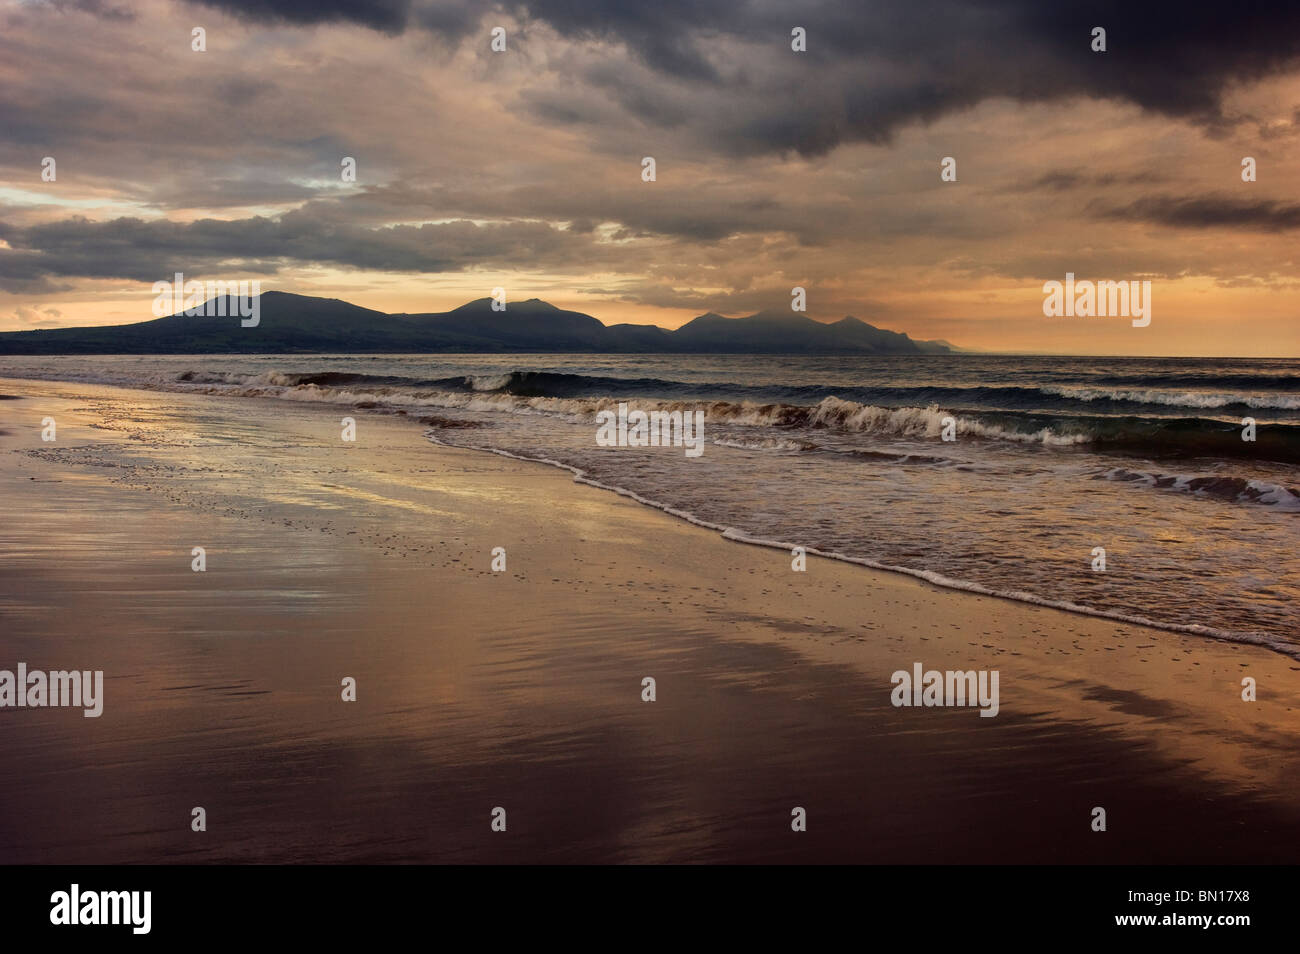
(529,305)
(779,315)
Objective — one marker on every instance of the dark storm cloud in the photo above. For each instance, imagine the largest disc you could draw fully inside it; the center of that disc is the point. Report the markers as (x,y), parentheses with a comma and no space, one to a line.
(387,16)
(874,70)
(451,19)
(1220,211)
(869,69)
(671,36)
(1167,55)
(147,250)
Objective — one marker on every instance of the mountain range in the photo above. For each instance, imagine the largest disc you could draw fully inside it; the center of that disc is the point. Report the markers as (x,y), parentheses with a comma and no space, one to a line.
(291,323)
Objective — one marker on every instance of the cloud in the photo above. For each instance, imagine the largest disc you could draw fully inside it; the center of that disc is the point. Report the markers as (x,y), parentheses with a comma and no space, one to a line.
(99,8)
(724,70)
(147,251)
(37,318)
(386,16)
(1209,212)
(1066,180)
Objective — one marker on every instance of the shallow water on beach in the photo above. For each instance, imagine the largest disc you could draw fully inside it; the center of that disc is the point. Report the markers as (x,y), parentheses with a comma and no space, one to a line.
(1053,458)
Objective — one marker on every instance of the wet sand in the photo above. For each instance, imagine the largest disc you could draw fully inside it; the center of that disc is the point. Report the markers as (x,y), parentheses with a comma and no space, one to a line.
(522,689)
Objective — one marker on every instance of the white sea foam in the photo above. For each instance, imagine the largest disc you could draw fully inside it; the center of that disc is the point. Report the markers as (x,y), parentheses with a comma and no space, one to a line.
(1228,488)
(831,412)
(489,382)
(769,443)
(1197,399)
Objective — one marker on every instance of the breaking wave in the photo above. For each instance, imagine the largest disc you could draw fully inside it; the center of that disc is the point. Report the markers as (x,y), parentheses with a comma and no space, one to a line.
(1223,487)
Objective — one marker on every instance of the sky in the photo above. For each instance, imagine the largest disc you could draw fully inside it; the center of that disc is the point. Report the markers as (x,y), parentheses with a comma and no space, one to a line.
(774,168)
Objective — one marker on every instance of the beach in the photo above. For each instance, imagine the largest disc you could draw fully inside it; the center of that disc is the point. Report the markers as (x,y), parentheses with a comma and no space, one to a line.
(523,689)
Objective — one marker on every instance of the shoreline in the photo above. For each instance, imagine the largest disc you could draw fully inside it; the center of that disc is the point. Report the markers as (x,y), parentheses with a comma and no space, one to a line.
(774,685)
(1262,640)
(1266,640)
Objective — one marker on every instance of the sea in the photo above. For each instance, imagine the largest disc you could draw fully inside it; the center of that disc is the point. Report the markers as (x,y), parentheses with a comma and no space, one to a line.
(1162,491)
